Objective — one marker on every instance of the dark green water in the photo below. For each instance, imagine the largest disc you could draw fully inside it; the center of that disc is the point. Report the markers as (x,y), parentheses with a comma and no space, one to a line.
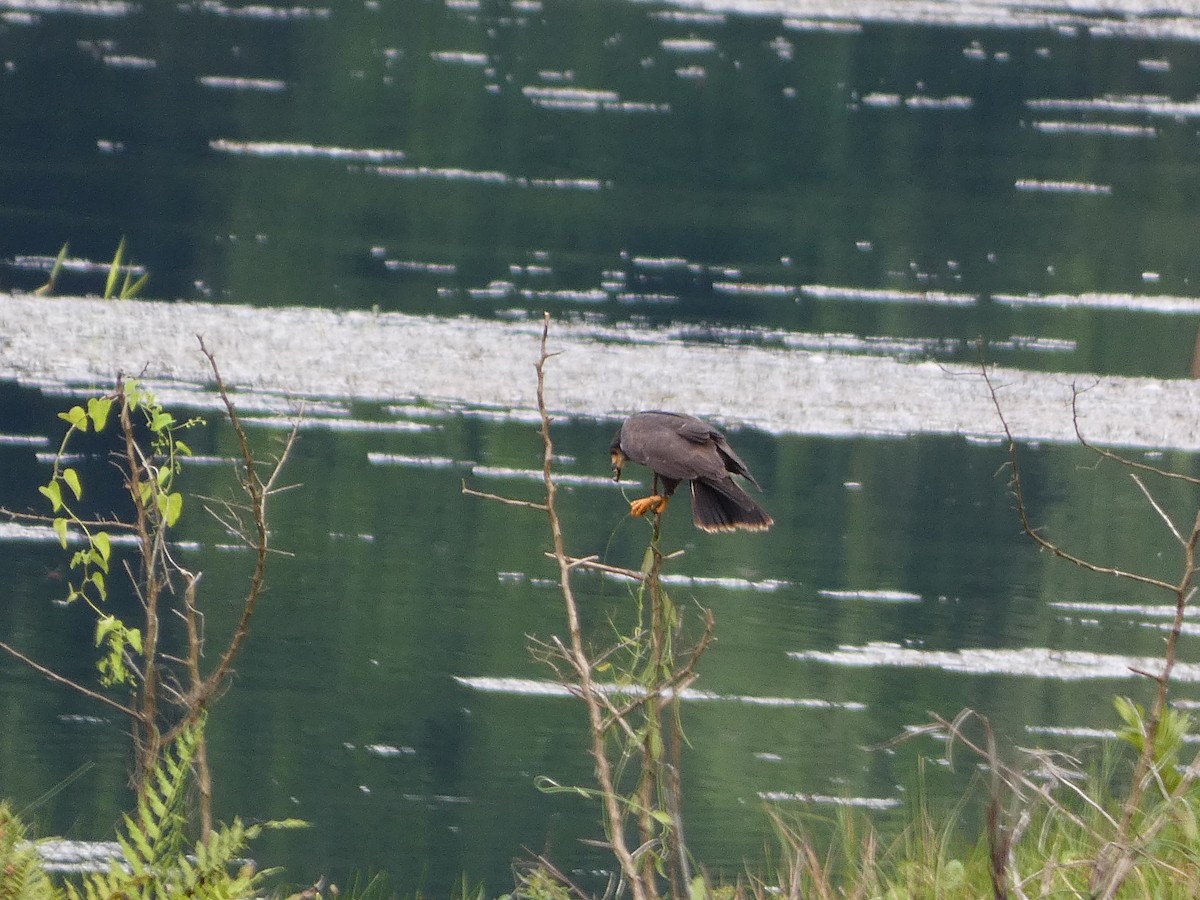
(620,162)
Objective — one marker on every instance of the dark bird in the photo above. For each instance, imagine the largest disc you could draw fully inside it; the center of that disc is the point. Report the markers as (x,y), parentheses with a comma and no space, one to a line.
(683,448)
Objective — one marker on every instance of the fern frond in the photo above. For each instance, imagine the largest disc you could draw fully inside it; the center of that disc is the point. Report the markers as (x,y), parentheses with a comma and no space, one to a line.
(21,875)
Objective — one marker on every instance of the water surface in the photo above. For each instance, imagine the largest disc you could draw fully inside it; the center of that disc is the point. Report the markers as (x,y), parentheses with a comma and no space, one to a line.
(758,176)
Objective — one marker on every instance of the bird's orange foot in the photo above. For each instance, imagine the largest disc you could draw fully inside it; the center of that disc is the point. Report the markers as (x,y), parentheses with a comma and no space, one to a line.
(653,503)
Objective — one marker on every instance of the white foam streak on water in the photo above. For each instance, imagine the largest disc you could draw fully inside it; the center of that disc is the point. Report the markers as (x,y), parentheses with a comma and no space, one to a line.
(462,57)
(16,531)
(534,688)
(70,264)
(1159,611)
(1140,302)
(227,83)
(1173,19)
(424,268)
(829,800)
(1107,129)
(285,354)
(32,440)
(766,585)
(740,288)
(423,462)
(477,176)
(886,295)
(536,475)
(1036,662)
(284,149)
(828,25)
(1039,344)
(1073,732)
(1035,185)
(257,11)
(688,45)
(1148,104)
(571,94)
(308,423)
(106,8)
(881,596)
(879,100)
(116,61)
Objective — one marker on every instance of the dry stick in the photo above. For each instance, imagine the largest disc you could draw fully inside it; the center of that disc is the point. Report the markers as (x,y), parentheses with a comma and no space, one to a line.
(59,679)
(577,656)
(1115,457)
(652,743)
(147,738)
(1116,859)
(195,647)
(258,491)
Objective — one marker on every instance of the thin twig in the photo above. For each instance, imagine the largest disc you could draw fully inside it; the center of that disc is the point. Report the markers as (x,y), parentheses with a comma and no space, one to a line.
(1115,457)
(529,504)
(1023,515)
(59,679)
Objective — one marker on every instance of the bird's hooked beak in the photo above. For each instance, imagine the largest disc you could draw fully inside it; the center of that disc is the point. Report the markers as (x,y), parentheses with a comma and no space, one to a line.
(618,460)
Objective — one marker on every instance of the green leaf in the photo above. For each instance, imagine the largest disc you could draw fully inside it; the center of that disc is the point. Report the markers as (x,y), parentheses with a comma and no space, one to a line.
(97,578)
(134,636)
(60,528)
(97,410)
(132,288)
(76,417)
(114,270)
(54,493)
(1130,712)
(71,477)
(145,491)
(104,625)
(181,447)
(103,545)
(46,289)
(161,420)
(174,508)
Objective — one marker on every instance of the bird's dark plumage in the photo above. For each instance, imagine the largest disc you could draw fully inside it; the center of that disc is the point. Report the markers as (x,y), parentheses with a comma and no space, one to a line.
(679,448)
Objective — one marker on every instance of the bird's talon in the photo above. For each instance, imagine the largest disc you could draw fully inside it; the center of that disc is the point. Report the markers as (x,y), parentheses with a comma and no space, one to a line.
(653,503)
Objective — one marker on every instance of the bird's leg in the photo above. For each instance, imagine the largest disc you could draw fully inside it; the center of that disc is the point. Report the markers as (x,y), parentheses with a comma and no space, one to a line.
(655,503)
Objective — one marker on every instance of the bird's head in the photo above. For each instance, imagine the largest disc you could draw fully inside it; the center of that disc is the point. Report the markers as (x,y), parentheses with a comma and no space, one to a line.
(618,460)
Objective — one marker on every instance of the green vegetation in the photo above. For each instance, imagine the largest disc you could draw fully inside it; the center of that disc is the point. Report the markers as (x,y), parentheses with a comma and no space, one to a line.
(122,282)
(1123,825)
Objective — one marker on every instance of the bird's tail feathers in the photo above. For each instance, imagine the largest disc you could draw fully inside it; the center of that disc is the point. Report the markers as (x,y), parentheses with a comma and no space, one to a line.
(726,507)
